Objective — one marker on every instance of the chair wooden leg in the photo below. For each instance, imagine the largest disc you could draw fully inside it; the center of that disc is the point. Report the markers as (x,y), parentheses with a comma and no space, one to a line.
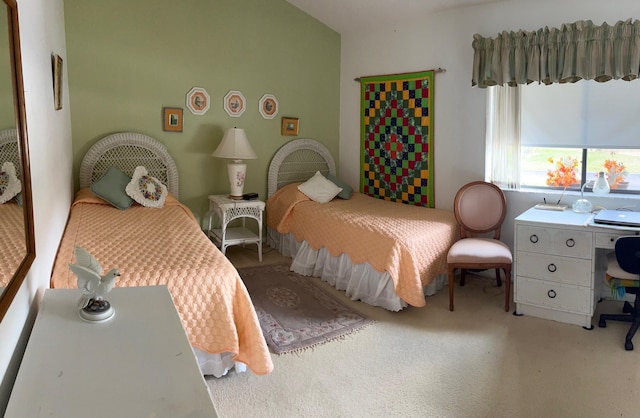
(498,280)
(451,284)
(507,288)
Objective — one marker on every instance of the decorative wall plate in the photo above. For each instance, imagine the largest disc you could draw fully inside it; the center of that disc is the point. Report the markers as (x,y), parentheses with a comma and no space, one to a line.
(234,103)
(268,106)
(198,101)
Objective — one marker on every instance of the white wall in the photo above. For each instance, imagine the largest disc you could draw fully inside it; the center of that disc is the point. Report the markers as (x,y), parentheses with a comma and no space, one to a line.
(49,134)
(444,40)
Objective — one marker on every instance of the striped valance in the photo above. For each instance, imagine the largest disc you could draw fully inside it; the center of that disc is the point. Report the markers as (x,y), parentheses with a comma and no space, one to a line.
(576,51)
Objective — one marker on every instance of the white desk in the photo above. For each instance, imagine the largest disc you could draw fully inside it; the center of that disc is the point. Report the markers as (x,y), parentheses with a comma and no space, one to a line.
(559,267)
(137,364)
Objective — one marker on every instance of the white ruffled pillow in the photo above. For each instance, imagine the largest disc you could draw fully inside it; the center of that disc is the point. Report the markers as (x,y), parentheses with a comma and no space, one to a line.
(319,189)
(10,186)
(146,190)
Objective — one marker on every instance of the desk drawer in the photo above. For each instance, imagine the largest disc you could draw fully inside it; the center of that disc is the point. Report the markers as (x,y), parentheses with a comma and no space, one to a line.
(567,242)
(608,239)
(558,269)
(558,296)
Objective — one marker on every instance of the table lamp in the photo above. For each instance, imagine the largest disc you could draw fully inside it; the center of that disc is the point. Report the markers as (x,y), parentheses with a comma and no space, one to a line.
(601,185)
(236,147)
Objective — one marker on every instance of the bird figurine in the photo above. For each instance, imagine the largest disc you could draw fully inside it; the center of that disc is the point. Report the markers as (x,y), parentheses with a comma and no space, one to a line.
(94,286)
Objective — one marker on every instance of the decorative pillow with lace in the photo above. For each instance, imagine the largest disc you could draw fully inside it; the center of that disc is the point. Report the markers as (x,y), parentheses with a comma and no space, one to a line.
(10,186)
(146,190)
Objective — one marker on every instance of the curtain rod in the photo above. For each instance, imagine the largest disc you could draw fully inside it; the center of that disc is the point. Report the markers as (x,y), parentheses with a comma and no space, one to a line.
(435,70)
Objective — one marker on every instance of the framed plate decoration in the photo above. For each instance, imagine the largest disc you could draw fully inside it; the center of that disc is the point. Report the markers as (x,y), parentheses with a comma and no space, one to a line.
(198,101)
(234,103)
(268,106)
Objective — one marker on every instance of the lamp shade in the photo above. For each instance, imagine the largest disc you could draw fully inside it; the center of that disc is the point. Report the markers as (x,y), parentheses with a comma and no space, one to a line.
(235,146)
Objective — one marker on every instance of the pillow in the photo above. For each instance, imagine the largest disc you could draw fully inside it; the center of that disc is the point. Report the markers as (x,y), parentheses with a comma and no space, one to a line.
(111,187)
(146,190)
(320,189)
(347,191)
(10,186)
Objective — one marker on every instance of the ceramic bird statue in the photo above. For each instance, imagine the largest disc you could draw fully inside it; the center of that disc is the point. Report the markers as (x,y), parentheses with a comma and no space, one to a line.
(94,286)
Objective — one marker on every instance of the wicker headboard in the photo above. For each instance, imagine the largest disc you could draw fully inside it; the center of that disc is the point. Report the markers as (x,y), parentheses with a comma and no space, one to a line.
(127,150)
(298,160)
(9,149)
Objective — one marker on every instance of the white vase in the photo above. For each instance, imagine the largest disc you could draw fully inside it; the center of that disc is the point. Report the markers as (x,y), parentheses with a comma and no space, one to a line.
(601,186)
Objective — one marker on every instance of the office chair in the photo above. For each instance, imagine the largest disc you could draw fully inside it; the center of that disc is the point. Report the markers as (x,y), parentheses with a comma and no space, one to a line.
(480,209)
(623,276)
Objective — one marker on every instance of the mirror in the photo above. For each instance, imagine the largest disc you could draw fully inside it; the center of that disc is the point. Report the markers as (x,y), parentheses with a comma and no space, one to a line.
(17,243)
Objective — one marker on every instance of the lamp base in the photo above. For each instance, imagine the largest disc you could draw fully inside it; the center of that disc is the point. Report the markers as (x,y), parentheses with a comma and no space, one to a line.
(237,171)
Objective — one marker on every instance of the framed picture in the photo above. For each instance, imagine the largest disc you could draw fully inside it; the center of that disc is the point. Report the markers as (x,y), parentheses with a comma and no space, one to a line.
(234,103)
(198,101)
(172,117)
(289,126)
(56,66)
(268,106)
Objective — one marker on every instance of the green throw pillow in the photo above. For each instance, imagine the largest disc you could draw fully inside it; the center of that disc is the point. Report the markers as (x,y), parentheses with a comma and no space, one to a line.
(347,190)
(111,187)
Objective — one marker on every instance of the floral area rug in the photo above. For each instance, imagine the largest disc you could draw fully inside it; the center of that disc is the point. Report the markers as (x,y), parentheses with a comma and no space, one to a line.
(294,312)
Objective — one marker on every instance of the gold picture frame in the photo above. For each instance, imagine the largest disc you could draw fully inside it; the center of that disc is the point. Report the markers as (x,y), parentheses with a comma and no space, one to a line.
(172,118)
(56,67)
(290,126)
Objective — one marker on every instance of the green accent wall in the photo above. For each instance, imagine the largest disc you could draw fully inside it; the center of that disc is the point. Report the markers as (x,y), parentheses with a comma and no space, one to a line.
(127,59)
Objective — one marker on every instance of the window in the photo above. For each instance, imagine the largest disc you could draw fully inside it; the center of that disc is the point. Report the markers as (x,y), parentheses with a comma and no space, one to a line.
(587,125)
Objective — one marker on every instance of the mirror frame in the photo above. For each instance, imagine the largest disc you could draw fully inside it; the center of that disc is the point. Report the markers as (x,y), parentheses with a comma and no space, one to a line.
(21,128)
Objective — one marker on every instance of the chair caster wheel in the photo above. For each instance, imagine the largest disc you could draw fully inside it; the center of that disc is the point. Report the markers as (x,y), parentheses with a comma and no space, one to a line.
(602,323)
(628,345)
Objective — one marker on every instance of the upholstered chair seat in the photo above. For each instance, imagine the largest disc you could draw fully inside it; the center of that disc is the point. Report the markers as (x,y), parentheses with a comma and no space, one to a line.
(479,250)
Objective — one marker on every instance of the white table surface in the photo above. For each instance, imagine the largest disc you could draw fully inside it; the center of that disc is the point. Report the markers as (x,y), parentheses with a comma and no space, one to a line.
(137,364)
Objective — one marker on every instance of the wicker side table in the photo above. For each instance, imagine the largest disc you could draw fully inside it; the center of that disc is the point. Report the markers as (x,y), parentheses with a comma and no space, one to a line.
(226,211)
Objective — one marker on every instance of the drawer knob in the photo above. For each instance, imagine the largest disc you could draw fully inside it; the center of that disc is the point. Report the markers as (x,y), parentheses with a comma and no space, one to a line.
(570,243)
(552,268)
(533,238)
(551,293)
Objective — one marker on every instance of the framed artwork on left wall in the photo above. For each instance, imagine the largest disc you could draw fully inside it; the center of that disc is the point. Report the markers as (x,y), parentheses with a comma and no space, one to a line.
(172,119)
(56,67)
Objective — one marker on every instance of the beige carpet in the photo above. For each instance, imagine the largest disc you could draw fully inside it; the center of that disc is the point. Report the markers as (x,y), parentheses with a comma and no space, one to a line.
(428,362)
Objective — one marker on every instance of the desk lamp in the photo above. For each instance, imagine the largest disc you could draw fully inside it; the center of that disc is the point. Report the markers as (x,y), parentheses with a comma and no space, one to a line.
(236,147)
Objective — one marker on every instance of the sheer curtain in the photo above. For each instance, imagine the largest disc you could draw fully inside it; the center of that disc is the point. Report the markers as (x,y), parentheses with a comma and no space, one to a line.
(503,137)
(576,51)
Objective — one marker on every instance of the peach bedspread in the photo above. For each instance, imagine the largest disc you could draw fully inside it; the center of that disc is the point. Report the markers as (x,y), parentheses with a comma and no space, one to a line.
(409,242)
(166,246)
(13,247)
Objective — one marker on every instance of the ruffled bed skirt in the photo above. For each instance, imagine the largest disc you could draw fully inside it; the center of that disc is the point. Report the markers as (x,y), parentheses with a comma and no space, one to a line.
(360,281)
(217,365)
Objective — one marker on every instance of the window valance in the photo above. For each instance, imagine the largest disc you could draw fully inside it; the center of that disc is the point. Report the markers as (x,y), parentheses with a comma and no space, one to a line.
(576,51)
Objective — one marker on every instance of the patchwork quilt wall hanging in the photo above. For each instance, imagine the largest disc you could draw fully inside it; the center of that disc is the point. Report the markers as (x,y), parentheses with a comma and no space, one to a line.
(397,137)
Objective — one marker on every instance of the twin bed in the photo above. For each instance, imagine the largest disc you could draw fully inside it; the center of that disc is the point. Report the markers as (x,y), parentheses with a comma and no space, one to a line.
(383,253)
(164,246)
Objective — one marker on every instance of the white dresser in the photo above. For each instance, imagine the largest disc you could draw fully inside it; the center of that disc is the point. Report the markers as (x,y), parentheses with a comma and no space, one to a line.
(558,265)
(137,364)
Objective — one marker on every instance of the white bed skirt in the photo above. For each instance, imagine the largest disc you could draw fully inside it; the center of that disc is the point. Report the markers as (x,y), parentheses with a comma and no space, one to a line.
(360,281)
(217,365)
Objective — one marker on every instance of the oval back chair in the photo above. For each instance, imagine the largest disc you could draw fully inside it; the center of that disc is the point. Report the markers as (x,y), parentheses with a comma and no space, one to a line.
(480,209)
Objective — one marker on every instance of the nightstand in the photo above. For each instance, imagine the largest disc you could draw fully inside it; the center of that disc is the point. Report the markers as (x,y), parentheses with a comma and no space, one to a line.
(226,211)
